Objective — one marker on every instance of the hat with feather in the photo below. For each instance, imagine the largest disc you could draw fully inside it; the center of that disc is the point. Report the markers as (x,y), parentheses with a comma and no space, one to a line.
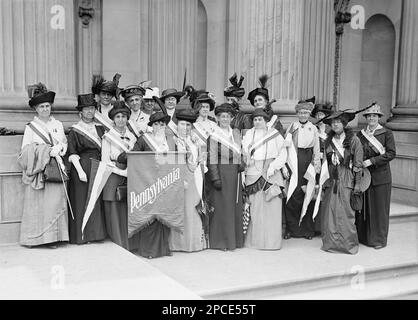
(235,90)
(100,84)
(159,115)
(262,91)
(38,93)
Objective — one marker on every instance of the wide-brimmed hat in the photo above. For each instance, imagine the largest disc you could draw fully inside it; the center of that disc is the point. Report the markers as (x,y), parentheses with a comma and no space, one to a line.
(85,100)
(159,115)
(171,93)
(259,91)
(325,108)
(101,85)
(152,92)
(345,115)
(365,180)
(132,90)
(261,112)
(38,93)
(119,107)
(188,115)
(225,107)
(235,90)
(204,97)
(304,106)
(375,109)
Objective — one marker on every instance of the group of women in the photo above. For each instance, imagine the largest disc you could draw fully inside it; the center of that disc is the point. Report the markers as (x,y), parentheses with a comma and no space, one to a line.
(249,183)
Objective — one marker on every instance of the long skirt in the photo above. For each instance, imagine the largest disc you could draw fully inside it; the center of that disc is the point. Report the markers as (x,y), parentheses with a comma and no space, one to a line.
(153,240)
(373,222)
(225,224)
(339,232)
(192,238)
(294,205)
(77,191)
(265,227)
(44,218)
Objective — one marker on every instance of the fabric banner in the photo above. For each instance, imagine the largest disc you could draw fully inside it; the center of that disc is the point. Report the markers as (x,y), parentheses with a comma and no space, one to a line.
(155,189)
(310,176)
(324,176)
(292,161)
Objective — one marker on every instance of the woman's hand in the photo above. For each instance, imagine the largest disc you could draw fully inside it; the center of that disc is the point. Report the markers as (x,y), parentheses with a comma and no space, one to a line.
(55,150)
(82,176)
(285,173)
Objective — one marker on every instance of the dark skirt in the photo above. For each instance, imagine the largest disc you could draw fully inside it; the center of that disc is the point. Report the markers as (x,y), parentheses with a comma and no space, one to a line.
(294,206)
(225,224)
(373,222)
(153,240)
(95,229)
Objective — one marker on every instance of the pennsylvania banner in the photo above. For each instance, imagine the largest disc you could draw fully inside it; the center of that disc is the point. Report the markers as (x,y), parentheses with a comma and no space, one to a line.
(155,189)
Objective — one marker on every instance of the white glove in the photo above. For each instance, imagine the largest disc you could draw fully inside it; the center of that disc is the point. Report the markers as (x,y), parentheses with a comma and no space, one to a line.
(55,150)
(82,175)
(270,171)
(367,163)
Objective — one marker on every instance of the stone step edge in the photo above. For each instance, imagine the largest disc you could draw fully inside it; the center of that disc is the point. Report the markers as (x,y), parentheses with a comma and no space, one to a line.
(281,288)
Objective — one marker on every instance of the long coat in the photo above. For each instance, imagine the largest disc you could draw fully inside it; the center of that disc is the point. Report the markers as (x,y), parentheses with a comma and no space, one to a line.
(373,222)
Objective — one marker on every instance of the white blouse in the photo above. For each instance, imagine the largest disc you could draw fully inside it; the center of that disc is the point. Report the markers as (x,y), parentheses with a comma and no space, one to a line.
(54,127)
(111,151)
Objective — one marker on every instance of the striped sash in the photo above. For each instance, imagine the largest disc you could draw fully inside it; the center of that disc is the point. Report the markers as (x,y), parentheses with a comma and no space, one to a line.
(271,134)
(338,149)
(378,147)
(114,137)
(80,130)
(226,142)
(152,144)
(173,127)
(201,132)
(41,131)
(134,129)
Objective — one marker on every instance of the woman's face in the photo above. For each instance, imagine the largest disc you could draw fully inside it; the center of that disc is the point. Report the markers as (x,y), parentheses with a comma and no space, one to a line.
(149,105)
(204,109)
(170,103)
(105,98)
(260,102)
(120,120)
(158,127)
(303,115)
(224,119)
(337,126)
(134,103)
(259,122)
(184,128)
(372,120)
(319,115)
(43,110)
(87,113)
(231,99)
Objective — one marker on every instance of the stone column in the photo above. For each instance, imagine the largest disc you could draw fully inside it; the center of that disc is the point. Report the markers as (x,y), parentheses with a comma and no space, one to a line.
(266,37)
(318,49)
(36,44)
(405,114)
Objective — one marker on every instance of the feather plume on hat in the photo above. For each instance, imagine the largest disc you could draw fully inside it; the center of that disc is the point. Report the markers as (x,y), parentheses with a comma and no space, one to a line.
(35,89)
(262,80)
(97,83)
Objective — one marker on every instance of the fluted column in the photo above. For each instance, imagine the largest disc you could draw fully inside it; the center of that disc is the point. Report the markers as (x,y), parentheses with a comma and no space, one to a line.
(34,47)
(405,114)
(266,37)
(318,49)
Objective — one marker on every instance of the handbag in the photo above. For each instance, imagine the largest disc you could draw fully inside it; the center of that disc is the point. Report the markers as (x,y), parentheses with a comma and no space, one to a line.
(356,201)
(121,192)
(53,172)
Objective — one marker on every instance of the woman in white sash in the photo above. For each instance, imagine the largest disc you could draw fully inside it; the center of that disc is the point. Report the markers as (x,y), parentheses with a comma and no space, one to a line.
(192,238)
(114,142)
(203,105)
(264,183)
(45,215)
(379,149)
(345,162)
(84,143)
(224,183)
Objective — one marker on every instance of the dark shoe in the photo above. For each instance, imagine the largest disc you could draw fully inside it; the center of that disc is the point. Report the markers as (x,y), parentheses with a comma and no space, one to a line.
(380,246)
(308,237)
(287,236)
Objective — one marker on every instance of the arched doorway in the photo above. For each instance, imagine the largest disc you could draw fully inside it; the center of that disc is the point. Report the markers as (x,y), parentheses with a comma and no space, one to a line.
(377,64)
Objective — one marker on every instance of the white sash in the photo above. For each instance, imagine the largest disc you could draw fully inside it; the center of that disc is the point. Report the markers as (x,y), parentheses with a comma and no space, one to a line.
(102,120)
(133,128)
(151,142)
(292,161)
(87,134)
(230,145)
(42,129)
(201,132)
(173,127)
(116,140)
(272,121)
(271,134)
(338,148)
(322,135)
(375,143)
(324,176)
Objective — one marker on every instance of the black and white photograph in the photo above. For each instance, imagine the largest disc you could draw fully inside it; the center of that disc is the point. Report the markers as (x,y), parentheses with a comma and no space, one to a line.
(214,152)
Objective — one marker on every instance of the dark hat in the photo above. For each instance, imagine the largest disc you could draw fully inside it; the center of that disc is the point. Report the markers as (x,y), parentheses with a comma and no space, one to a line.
(159,115)
(203,97)
(262,91)
(326,108)
(345,115)
(260,112)
(85,100)
(171,93)
(100,84)
(225,107)
(38,93)
(192,93)
(119,107)
(235,90)
(308,100)
(133,90)
(189,115)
